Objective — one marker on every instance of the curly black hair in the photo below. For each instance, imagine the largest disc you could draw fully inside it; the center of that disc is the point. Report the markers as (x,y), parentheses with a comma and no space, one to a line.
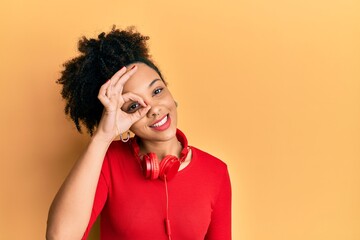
(98,61)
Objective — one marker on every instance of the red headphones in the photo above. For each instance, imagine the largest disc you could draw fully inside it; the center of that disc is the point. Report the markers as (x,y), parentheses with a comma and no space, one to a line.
(168,166)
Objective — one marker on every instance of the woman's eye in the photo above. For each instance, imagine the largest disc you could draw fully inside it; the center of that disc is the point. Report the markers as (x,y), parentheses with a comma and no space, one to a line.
(133,107)
(157,91)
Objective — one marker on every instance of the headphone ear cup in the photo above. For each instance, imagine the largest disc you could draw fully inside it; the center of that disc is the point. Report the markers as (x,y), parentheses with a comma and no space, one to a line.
(155,167)
(146,166)
(150,166)
(169,166)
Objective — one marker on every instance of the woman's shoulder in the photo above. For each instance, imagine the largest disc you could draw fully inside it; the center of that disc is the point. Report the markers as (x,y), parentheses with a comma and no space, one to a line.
(208,159)
(118,147)
(115,144)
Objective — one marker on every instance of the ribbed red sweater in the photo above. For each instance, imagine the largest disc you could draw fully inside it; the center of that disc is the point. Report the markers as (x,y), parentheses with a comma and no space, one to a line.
(132,207)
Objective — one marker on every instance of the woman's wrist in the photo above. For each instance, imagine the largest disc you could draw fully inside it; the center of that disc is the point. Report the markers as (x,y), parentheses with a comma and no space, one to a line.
(101,139)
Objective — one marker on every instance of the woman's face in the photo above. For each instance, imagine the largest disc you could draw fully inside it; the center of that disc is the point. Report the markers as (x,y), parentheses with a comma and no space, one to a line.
(159,124)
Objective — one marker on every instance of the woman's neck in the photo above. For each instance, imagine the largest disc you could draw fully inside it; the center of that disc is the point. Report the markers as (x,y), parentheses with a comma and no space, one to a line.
(161,148)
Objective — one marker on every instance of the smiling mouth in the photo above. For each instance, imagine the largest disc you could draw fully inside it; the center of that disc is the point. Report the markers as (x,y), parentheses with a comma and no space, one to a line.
(160,123)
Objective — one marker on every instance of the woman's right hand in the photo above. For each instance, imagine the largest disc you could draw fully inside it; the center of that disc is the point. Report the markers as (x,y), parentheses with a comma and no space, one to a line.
(114,120)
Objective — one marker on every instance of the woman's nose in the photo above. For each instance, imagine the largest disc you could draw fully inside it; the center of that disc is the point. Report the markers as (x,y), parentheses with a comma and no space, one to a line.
(154,111)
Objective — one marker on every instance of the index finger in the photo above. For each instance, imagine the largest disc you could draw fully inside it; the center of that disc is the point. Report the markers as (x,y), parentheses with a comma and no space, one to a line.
(118,74)
(123,79)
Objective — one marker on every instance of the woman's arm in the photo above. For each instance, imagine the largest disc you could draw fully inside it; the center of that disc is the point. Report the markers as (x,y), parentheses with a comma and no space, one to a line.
(220,226)
(71,209)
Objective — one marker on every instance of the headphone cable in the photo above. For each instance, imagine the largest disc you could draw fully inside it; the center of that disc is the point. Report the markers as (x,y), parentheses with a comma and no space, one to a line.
(167,220)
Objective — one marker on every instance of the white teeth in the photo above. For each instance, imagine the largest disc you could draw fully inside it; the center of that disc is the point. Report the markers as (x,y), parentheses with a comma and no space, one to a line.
(162,122)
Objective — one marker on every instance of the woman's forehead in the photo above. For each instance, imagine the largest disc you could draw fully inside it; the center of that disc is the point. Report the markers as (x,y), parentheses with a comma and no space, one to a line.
(143,78)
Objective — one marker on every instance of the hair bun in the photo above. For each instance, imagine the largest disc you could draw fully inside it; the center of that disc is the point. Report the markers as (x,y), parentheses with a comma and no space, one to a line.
(88,46)
(115,49)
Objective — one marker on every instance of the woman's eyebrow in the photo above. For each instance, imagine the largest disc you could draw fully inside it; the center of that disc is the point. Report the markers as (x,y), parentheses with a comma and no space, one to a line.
(154,81)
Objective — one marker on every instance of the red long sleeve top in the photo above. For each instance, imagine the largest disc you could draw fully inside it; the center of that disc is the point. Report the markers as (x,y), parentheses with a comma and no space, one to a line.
(133,207)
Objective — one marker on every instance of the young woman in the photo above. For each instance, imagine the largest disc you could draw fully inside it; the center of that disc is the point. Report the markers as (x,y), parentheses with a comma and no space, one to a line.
(151,186)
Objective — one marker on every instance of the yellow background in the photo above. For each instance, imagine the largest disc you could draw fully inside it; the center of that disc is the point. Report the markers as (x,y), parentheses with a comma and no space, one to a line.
(270,87)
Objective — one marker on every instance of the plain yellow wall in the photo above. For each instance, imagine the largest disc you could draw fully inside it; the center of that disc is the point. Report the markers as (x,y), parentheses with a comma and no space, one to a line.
(270,87)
